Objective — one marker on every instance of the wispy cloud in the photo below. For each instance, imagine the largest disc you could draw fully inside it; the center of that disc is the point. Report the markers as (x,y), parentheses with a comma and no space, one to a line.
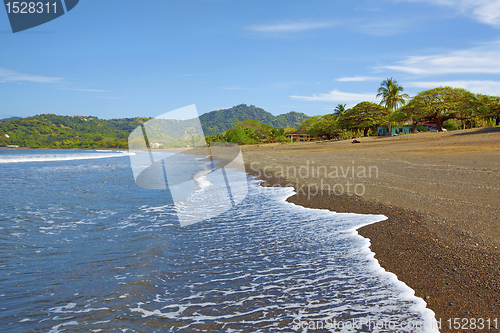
(232,88)
(188,75)
(88,90)
(368,9)
(358,79)
(481,60)
(7,75)
(484,11)
(109,97)
(337,96)
(288,27)
(382,28)
(482,87)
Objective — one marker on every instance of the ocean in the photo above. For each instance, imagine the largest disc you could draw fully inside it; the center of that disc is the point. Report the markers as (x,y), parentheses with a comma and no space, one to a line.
(83,248)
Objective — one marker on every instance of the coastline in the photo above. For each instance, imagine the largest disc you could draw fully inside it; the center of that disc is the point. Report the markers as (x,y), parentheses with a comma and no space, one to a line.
(453,266)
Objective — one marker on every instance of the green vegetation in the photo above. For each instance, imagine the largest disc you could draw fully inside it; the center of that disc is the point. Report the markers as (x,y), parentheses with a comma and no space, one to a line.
(217,122)
(339,109)
(363,117)
(392,96)
(346,124)
(240,124)
(450,108)
(251,132)
(444,103)
(447,107)
(491,109)
(52,131)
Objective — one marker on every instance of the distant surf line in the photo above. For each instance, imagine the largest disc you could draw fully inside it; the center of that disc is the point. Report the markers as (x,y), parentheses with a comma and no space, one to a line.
(52,158)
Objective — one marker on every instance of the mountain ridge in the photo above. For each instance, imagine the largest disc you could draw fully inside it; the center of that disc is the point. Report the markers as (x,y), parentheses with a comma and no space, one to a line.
(54,131)
(219,121)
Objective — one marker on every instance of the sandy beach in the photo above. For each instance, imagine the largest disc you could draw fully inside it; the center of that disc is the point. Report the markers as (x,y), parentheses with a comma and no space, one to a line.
(440,192)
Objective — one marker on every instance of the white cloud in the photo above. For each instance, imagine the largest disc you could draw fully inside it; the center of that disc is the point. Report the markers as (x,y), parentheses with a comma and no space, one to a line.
(231,88)
(89,90)
(358,79)
(480,60)
(188,75)
(337,96)
(367,9)
(291,27)
(383,28)
(376,28)
(484,11)
(108,97)
(482,87)
(7,75)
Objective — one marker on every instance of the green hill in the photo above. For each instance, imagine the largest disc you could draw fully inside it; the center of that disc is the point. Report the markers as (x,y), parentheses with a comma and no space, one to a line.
(216,122)
(53,131)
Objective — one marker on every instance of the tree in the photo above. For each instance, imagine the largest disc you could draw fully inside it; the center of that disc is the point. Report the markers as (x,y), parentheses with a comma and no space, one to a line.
(325,126)
(339,110)
(363,116)
(440,104)
(410,111)
(491,107)
(307,124)
(392,96)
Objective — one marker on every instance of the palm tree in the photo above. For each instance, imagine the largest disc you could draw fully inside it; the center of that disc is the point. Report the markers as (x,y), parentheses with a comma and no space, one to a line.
(392,96)
(339,110)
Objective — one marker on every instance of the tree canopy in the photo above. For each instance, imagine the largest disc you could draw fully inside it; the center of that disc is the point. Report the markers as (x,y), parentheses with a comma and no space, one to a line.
(491,107)
(363,116)
(440,104)
(250,132)
(220,121)
(326,125)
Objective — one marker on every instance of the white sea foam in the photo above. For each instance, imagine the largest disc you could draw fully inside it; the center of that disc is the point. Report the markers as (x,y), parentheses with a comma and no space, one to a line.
(338,274)
(404,291)
(56,329)
(58,157)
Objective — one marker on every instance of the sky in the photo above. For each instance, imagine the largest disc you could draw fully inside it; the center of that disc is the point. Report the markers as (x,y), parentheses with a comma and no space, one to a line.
(128,58)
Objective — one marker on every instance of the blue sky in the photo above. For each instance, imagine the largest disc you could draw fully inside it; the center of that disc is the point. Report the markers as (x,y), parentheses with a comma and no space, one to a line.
(126,58)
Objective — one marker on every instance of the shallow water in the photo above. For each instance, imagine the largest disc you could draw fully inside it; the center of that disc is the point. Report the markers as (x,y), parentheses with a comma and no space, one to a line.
(84,249)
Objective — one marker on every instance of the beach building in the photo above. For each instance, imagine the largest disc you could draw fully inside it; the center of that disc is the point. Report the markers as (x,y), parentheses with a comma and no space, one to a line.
(404,127)
(296,136)
(155,145)
(430,126)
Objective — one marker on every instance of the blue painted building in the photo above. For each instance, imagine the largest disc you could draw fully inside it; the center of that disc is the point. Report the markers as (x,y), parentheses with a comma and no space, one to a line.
(403,128)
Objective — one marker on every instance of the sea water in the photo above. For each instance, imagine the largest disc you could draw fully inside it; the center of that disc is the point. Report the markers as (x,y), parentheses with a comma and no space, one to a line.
(83,248)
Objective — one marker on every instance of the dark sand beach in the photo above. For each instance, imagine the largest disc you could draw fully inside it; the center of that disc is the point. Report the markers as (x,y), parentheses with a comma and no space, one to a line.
(440,192)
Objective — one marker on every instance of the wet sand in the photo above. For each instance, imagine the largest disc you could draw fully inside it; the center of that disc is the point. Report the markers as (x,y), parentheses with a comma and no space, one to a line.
(440,192)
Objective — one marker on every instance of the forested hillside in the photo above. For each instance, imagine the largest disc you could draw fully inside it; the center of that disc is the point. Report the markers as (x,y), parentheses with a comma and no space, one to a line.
(217,122)
(53,131)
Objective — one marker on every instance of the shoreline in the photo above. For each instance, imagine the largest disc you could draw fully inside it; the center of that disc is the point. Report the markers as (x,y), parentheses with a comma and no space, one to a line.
(454,267)
(439,273)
